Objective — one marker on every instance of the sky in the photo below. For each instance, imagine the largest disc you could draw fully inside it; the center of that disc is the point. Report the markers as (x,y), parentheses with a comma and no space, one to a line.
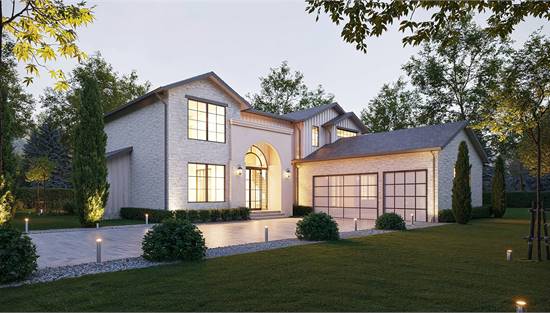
(168,40)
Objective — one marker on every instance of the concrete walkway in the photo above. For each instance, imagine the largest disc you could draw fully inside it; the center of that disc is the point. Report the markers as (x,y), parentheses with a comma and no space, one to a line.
(77,246)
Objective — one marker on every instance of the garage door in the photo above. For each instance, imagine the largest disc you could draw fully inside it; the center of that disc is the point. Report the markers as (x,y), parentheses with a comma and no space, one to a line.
(406,193)
(347,196)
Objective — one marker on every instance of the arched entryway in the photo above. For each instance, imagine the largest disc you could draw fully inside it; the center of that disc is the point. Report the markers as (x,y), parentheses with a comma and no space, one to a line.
(256,179)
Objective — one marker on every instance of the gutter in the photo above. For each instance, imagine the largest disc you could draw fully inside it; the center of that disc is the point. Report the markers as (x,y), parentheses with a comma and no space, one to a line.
(435,217)
(165,150)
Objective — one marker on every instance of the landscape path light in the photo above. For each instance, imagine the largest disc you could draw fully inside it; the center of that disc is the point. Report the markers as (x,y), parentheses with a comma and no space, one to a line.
(355,221)
(98,249)
(266,233)
(509,255)
(26,225)
(146,219)
(520,306)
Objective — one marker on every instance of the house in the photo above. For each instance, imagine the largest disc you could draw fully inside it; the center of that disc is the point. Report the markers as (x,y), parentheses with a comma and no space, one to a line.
(197,144)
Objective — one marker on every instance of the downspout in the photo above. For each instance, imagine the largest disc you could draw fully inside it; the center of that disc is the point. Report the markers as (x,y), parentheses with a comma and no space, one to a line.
(297,176)
(435,216)
(165,151)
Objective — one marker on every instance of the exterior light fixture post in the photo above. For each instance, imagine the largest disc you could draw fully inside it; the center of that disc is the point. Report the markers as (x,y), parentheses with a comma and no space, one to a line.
(266,234)
(98,250)
(355,221)
(26,225)
(146,219)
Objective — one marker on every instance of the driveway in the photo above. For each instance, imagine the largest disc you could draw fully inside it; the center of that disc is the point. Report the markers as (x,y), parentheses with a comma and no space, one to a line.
(76,246)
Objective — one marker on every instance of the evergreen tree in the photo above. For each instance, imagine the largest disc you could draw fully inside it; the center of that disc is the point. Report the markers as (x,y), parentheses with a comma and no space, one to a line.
(462,193)
(7,164)
(46,141)
(498,195)
(89,161)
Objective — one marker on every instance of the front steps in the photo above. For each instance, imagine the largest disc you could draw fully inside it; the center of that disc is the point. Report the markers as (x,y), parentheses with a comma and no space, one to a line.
(266,214)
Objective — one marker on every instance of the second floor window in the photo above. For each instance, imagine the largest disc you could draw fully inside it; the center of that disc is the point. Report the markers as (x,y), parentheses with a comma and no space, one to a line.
(342,133)
(315,136)
(206,121)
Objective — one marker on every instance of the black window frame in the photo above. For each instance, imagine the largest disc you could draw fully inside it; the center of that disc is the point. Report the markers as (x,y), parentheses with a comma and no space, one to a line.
(206,179)
(405,209)
(208,102)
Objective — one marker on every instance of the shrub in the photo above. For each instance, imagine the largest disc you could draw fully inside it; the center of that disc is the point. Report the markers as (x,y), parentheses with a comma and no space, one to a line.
(7,210)
(317,226)
(204,215)
(390,221)
(215,215)
(462,194)
(180,214)
(245,213)
(193,216)
(235,214)
(55,197)
(301,210)
(17,255)
(446,216)
(226,215)
(174,239)
(481,212)
(69,207)
(155,216)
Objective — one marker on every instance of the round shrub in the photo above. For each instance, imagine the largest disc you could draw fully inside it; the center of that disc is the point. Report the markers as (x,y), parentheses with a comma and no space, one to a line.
(174,239)
(317,226)
(17,255)
(446,216)
(390,221)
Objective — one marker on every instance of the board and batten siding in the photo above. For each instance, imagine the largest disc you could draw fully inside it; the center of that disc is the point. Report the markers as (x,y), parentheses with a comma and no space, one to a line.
(118,168)
(318,120)
(345,123)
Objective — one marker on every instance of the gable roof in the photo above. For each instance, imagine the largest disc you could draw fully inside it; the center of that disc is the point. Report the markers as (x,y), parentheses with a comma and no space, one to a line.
(349,115)
(158,91)
(302,115)
(398,141)
(119,152)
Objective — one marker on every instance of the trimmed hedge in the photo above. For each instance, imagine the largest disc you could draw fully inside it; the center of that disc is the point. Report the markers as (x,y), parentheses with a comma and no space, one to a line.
(446,216)
(194,216)
(518,199)
(301,210)
(55,198)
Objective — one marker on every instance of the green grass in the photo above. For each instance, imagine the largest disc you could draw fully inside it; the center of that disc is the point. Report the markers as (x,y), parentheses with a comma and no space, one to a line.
(42,222)
(447,268)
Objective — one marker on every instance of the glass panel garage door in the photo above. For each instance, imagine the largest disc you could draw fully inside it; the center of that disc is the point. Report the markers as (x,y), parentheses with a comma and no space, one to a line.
(406,193)
(347,196)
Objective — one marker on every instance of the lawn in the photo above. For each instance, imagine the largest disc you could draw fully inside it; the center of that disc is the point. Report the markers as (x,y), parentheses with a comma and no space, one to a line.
(446,268)
(41,222)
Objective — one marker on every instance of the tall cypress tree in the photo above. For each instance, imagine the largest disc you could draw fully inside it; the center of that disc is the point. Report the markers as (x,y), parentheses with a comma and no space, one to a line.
(89,161)
(7,166)
(462,193)
(498,194)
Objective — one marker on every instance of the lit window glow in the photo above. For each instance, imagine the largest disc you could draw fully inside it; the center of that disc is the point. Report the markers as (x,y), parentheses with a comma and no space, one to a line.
(342,133)
(315,136)
(206,121)
(206,182)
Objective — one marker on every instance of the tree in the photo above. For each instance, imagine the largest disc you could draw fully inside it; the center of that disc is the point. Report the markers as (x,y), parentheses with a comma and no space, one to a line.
(45,141)
(7,209)
(498,194)
(521,103)
(89,161)
(283,91)
(527,150)
(371,18)
(393,108)
(455,74)
(115,89)
(41,30)
(40,170)
(462,194)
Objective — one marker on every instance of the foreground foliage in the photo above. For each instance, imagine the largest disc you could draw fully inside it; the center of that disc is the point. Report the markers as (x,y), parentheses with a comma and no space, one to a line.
(462,192)
(390,221)
(498,194)
(17,255)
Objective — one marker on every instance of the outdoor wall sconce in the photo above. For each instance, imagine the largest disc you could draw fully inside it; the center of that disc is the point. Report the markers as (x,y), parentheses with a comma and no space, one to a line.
(239,171)
(287,173)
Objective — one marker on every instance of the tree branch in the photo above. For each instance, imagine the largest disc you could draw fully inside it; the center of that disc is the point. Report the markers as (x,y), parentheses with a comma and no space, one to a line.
(13,17)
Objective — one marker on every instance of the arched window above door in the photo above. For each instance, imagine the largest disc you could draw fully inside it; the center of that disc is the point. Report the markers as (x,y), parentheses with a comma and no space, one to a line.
(255,158)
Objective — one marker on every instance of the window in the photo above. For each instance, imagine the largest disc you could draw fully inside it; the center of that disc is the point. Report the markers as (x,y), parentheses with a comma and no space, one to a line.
(347,196)
(342,133)
(206,121)
(206,183)
(315,136)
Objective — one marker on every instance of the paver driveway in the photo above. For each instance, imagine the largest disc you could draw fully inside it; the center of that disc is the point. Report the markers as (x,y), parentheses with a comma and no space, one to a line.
(69,247)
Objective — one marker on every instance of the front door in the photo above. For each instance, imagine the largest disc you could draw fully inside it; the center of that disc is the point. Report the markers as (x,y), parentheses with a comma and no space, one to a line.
(256,188)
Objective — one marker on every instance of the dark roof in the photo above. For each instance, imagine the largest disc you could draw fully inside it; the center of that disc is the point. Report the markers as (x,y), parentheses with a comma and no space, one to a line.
(399,141)
(303,115)
(209,75)
(349,115)
(119,152)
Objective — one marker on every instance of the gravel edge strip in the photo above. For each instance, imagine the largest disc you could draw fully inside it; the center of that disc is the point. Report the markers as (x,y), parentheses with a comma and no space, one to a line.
(50,274)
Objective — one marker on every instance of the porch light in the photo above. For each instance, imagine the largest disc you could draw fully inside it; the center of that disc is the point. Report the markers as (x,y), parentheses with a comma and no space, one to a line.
(287,173)
(239,171)
(520,304)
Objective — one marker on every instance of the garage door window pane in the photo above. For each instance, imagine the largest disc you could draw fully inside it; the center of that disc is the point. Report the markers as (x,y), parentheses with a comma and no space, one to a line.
(321,191)
(389,202)
(351,191)
(351,180)
(399,178)
(399,190)
(409,177)
(407,193)
(321,181)
(409,202)
(421,189)
(421,203)
(368,203)
(409,190)
(321,201)
(421,177)
(389,177)
(399,202)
